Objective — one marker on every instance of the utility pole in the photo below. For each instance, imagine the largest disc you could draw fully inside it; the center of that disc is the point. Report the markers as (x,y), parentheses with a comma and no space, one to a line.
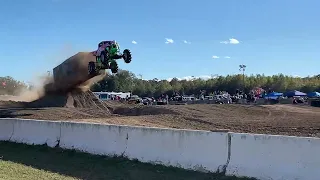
(242,68)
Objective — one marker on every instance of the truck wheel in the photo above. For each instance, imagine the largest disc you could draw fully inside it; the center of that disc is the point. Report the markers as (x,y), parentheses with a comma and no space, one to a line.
(92,68)
(114,67)
(127,56)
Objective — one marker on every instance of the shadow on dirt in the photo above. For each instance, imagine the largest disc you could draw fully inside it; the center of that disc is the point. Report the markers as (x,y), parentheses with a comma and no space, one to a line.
(142,110)
(13,113)
(46,101)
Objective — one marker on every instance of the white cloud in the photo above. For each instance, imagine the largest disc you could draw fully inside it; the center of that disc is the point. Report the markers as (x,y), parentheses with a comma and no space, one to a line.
(134,42)
(231,41)
(227,57)
(224,42)
(186,42)
(215,57)
(169,41)
(234,41)
(190,78)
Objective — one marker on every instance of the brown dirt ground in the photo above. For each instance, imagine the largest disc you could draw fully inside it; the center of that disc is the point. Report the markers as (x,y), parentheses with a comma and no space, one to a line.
(270,119)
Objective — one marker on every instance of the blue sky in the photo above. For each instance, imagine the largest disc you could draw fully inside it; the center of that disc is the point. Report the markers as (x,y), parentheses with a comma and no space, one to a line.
(274,36)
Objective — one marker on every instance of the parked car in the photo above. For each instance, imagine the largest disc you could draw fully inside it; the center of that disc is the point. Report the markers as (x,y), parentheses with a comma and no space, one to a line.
(134,99)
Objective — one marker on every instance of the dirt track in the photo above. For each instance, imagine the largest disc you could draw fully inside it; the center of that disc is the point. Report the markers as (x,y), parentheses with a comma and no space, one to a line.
(272,119)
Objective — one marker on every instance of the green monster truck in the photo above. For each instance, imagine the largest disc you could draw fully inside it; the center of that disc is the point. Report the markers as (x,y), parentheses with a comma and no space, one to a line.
(106,55)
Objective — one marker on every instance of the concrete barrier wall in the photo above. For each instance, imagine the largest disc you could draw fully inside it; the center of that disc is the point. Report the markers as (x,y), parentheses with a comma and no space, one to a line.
(274,157)
(266,157)
(6,129)
(36,132)
(198,150)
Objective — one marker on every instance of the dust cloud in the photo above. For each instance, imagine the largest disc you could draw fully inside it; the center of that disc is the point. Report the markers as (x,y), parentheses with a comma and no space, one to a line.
(37,91)
(43,85)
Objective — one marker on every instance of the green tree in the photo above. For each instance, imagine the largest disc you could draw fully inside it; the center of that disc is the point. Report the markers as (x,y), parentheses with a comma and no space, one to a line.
(10,86)
(127,81)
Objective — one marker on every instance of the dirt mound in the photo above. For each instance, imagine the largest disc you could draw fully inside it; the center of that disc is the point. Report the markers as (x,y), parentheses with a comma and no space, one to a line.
(74,99)
(56,100)
(88,100)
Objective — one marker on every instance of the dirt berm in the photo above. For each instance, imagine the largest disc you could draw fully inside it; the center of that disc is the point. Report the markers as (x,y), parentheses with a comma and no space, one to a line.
(74,99)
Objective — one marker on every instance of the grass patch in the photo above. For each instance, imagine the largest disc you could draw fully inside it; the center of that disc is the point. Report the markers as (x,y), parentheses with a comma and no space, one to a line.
(20,161)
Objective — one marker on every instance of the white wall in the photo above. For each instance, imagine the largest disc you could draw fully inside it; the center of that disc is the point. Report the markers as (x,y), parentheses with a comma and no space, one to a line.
(201,150)
(266,157)
(274,157)
(36,132)
(198,150)
(6,129)
(93,138)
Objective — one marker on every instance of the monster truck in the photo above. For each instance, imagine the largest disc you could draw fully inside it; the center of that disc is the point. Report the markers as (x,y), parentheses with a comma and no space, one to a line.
(106,55)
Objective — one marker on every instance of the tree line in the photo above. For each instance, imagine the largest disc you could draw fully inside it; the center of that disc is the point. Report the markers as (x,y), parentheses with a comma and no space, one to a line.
(126,81)
(10,86)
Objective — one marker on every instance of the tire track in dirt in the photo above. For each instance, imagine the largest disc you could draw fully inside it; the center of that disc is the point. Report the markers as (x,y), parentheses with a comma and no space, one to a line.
(275,117)
(269,114)
(284,114)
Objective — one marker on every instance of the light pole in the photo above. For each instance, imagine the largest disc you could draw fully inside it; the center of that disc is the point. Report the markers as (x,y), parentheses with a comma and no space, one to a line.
(242,68)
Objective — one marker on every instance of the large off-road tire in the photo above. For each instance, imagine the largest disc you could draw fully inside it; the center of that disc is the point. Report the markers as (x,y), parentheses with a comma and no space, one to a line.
(126,56)
(92,68)
(114,67)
